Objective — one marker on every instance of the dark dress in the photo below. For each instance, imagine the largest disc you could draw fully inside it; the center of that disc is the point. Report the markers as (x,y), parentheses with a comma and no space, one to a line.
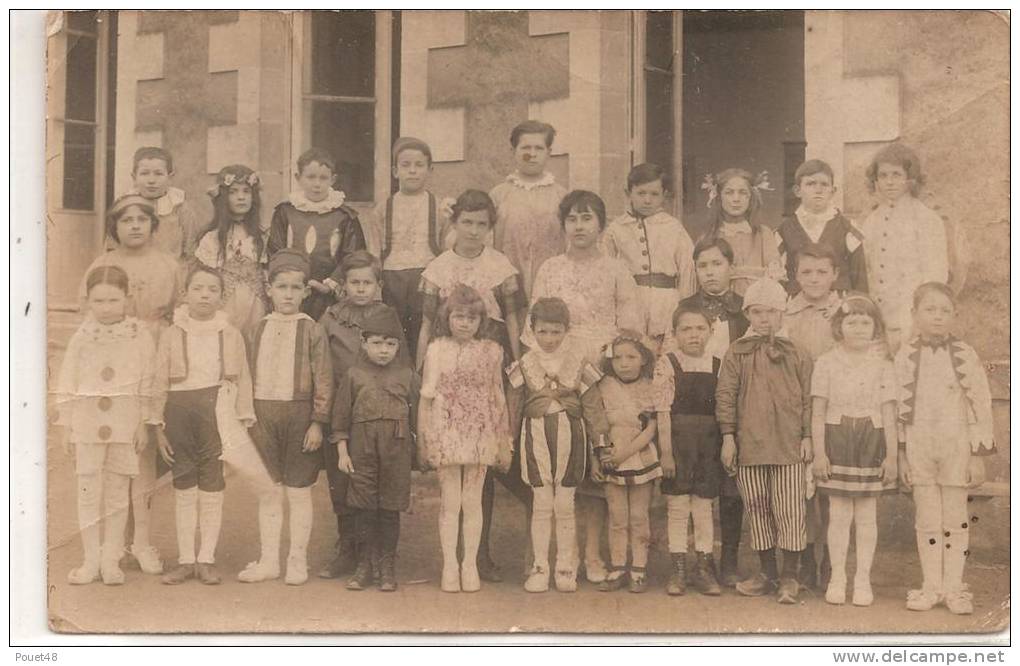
(695,435)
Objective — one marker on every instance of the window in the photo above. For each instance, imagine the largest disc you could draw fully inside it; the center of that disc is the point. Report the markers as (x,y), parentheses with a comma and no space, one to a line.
(339,95)
(80,111)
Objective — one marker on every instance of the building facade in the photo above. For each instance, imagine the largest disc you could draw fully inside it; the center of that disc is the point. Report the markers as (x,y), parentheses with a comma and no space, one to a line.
(692,91)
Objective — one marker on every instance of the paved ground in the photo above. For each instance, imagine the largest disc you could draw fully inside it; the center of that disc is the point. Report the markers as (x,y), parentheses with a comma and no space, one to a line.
(143,605)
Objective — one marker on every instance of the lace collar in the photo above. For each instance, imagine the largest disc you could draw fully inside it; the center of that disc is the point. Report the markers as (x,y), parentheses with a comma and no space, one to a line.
(166,204)
(516,180)
(125,329)
(183,320)
(333,200)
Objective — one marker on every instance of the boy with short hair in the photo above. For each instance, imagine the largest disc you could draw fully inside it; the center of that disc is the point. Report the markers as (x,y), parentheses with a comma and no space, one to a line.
(808,321)
(818,221)
(713,264)
(763,406)
(410,231)
(360,274)
(293,380)
(372,433)
(178,228)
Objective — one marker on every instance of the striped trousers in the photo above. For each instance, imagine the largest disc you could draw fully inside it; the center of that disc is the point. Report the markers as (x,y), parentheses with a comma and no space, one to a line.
(774,501)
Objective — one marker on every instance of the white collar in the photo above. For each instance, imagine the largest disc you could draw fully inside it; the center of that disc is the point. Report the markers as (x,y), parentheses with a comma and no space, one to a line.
(694,363)
(185,321)
(546,180)
(297,316)
(800,303)
(815,220)
(165,205)
(333,200)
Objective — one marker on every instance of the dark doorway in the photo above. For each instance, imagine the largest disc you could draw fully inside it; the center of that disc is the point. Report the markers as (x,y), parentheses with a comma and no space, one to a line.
(743,103)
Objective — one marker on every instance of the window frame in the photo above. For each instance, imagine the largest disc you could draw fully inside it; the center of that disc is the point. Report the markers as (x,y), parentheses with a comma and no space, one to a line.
(301,66)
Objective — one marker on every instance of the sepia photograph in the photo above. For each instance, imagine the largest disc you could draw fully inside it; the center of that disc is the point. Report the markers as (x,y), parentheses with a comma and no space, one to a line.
(535,322)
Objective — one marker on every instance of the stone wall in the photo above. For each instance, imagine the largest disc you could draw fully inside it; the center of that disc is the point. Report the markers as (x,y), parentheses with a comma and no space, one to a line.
(212,87)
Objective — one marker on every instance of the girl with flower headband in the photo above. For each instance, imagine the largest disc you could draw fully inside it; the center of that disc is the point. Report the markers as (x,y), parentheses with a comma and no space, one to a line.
(103,398)
(853,427)
(154,279)
(315,219)
(734,199)
(234,245)
(630,464)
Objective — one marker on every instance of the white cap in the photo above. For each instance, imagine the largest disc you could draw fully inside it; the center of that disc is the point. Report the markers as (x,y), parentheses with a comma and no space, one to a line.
(766,292)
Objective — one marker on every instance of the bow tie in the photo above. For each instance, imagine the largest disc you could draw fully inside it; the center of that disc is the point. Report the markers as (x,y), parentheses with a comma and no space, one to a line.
(715,305)
(936,342)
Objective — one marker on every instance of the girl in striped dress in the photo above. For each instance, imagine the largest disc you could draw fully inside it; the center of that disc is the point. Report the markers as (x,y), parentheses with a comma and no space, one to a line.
(631,463)
(853,426)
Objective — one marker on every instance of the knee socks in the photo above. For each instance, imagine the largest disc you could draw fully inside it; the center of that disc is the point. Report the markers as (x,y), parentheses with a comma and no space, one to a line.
(566,532)
(186,514)
(116,498)
(270,525)
(300,502)
(731,518)
(90,490)
(210,516)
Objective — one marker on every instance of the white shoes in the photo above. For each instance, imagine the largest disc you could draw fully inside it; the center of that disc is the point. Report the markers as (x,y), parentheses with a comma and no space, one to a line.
(148,559)
(256,572)
(451,578)
(538,580)
(863,596)
(469,579)
(566,580)
(297,571)
(596,571)
(85,574)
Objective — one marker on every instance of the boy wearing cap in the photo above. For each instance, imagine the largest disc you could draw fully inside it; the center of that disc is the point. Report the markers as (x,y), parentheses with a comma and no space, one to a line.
(763,402)
(372,433)
(293,380)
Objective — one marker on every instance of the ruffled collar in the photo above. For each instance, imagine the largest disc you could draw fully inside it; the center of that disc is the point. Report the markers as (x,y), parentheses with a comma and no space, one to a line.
(799,303)
(183,320)
(165,205)
(516,180)
(125,329)
(333,200)
(297,316)
(536,363)
(734,228)
(694,363)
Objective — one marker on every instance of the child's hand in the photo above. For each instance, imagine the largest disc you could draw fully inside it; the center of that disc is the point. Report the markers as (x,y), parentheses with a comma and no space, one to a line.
(313,438)
(668,465)
(446,207)
(890,470)
(141,439)
(906,480)
(344,464)
(821,468)
(319,287)
(975,472)
(807,451)
(165,450)
(729,454)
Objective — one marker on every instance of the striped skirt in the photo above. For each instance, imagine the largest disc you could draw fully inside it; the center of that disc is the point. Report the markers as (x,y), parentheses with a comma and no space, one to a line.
(856,450)
(554,450)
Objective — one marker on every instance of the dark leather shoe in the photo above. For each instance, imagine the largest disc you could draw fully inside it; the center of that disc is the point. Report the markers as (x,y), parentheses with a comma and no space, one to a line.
(758,585)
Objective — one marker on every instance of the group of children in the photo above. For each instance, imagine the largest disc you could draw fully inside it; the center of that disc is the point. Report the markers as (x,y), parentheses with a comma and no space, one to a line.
(519,337)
